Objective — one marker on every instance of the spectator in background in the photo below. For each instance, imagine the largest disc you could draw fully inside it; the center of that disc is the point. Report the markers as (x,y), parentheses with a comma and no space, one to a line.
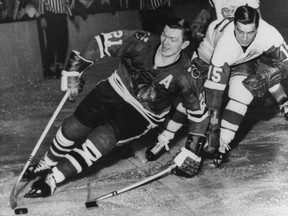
(3,11)
(27,10)
(54,22)
(31,11)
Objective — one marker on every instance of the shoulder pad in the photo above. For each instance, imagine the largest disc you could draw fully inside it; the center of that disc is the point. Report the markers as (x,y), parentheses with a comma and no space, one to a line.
(142,35)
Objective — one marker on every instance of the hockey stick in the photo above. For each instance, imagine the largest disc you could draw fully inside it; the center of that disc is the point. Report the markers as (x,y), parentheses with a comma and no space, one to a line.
(93,202)
(14,192)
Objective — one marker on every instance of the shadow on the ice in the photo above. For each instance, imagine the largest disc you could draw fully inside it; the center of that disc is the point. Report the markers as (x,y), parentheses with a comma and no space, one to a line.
(122,152)
(127,151)
(261,109)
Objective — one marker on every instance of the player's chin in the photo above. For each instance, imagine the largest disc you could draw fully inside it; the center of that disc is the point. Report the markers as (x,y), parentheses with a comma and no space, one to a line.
(245,44)
(167,53)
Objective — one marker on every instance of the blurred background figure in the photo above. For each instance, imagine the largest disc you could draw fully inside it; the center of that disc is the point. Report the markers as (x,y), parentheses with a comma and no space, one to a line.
(3,11)
(54,23)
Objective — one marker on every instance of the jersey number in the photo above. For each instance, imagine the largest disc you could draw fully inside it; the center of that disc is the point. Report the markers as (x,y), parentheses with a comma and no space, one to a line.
(214,73)
(112,39)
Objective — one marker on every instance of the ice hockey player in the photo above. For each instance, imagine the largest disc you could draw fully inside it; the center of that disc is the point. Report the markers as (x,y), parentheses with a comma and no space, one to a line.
(152,74)
(225,9)
(236,47)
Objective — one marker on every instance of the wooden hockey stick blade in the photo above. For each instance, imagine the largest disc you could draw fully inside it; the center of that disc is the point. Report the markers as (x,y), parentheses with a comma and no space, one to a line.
(14,192)
(13,197)
(93,202)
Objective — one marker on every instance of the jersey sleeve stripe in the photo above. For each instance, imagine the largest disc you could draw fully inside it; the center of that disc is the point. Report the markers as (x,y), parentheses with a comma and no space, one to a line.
(216,86)
(226,124)
(198,118)
(100,45)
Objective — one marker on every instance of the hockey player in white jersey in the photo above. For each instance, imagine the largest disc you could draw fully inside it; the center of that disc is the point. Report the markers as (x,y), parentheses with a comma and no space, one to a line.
(232,48)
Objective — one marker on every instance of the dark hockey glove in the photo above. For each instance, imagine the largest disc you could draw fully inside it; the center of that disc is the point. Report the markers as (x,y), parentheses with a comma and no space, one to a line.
(259,84)
(256,84)
(188,164)
(200,23)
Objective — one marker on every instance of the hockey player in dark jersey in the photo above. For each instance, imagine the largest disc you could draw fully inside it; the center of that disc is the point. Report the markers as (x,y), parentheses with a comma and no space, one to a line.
(152,74)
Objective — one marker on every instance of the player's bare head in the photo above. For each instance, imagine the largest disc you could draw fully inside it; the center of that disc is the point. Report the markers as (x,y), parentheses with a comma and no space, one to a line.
(175,37)
(181,24)
(246,23)
(246,15)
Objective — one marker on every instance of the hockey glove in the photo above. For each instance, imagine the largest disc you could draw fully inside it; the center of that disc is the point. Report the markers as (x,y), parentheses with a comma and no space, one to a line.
(200,23)
(71,75)
(188,164)
(259,84)
(70,80)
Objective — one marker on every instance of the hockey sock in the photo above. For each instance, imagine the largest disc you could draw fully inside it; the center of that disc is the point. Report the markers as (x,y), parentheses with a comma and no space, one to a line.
(232,117)
(59,147)
(278,92)
(58,175)
(49,161)
(79,159)
(224,145)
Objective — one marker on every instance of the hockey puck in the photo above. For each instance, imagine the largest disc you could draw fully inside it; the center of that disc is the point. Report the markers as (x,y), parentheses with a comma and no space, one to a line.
(21,211)
(91,204)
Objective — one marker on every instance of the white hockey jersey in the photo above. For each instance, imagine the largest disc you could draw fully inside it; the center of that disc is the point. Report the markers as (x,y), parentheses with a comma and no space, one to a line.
(220,48)
(220,45)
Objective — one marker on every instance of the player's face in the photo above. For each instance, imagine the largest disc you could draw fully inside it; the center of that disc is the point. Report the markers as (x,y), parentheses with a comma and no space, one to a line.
(245,34)
(172,42)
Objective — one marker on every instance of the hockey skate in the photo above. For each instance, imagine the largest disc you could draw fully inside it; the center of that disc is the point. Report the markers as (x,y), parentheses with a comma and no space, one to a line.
(156,151)
(43,187)
(284,108)
(36,170)
(220,158)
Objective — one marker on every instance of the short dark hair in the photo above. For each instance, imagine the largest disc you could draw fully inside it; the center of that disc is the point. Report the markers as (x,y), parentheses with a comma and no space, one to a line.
(246,15)
(182,24)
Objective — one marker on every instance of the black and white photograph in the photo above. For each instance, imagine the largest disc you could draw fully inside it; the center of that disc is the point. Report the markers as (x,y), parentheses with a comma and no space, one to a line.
(144,107)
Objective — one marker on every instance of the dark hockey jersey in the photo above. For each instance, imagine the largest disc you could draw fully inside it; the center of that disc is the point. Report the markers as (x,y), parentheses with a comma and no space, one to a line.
(152,91)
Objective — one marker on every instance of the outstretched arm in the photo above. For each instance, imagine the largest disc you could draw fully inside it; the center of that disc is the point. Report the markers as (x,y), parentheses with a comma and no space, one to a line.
(116,43)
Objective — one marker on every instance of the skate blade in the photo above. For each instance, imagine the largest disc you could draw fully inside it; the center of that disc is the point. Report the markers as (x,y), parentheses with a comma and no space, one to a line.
(34,194)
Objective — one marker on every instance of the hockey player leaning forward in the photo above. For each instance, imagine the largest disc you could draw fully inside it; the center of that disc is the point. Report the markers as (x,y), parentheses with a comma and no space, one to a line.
(137,97)
(229,55)
(226,9)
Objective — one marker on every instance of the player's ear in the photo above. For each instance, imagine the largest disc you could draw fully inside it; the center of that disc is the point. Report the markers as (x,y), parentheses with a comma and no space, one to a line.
(185,44)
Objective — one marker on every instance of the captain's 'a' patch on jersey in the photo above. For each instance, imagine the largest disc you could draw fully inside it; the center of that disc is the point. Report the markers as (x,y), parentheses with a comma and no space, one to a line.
(116,38)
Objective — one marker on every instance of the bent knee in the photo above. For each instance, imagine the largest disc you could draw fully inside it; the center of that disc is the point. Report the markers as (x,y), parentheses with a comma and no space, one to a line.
(104,138)
(238,92)
(73,129)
